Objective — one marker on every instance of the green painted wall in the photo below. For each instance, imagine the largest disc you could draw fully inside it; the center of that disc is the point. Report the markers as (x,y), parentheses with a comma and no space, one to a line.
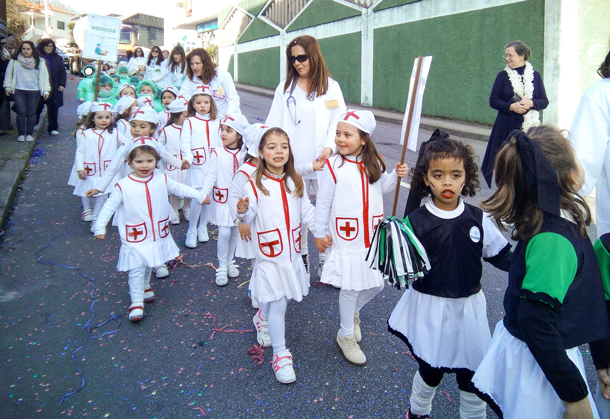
(343,58)
(593,44)
(260,68)
(231,67)
(319,12)
(257,29)
(386,4)
(468,54)
(252,6)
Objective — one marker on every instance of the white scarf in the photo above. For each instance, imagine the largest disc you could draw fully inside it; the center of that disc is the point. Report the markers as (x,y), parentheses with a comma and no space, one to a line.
(524,87)
(27,63)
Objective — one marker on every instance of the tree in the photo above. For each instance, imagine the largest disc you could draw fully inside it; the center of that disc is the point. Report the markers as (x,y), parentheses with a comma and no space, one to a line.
(212,49)
(17,22)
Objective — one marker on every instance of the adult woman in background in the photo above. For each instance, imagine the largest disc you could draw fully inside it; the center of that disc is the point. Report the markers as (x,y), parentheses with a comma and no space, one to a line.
(26,79)
(176,68)
(517,94)
(137,62)
(201,69)
(57,79)
(307,105)
(156,68)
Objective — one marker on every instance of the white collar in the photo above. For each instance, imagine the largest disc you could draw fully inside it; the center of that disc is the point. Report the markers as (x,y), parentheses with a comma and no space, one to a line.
(446,215)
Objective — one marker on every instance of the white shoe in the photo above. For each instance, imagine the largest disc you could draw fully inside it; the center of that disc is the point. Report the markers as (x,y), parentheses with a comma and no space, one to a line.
(149,295)
(175,221)
(92,228)
(161,271)
(351,350)
(186,212)
(54,132)
(21,138)
(29,138)
(202,234)
(191,238)
(87,215)
(282,366)
(232,270)
(136,312)
(221,276)
(262,331)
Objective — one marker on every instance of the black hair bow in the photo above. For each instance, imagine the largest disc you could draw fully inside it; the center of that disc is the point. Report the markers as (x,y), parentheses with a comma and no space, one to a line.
(538,172)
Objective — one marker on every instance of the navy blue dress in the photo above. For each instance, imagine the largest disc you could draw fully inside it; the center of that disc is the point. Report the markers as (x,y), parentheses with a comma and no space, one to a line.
(507,121)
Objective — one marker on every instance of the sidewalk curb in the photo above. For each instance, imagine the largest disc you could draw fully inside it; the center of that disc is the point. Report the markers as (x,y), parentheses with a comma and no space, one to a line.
(13,172)
(455,128)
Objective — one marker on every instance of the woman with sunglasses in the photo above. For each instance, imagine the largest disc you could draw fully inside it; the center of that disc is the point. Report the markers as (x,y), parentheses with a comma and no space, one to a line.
(57,78)
(200,69)
(137,62)
(307,105)
(156,66)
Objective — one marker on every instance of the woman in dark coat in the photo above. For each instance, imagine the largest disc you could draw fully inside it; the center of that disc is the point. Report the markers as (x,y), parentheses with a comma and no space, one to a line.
(517,94)
(57,78)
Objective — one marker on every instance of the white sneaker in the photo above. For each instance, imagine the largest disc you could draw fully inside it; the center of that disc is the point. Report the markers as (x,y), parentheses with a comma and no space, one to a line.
(136,311)
(221,276)
(191,238)
(54,132)
(175,221)
(262,332)
(186,212)
(29,138)
(161,271)
(351,350)
(202,234)
(357,331)
(21,138)
(87,215)
(282,366)
(232,270)
(149,295)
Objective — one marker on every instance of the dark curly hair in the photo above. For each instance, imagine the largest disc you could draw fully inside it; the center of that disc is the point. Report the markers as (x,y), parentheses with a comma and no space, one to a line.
(445,148)
(604,68)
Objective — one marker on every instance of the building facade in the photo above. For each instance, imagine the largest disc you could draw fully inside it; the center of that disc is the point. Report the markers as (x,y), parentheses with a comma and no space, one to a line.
(57,24)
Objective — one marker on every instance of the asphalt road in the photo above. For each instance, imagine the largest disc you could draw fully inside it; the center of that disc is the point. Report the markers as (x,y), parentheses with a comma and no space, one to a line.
(173,363)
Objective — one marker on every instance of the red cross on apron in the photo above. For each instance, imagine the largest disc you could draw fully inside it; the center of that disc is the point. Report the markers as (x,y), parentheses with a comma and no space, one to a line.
(219,195)
(270,246)
(347,229)
(134,234)
(198,157)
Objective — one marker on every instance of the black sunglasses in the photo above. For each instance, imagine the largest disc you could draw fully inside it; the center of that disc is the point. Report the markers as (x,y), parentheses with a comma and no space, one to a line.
(299,58)
(3,43)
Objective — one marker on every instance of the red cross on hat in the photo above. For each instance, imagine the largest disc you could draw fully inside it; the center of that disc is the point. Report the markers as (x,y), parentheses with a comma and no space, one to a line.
(138,111)
(148,101)
(350,113)
(105,105)
(228,117)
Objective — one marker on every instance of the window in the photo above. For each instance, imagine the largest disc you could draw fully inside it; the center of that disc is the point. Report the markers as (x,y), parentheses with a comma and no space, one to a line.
(61,25)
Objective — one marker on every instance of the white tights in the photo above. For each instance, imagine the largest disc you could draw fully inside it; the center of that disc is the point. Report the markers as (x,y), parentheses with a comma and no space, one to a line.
(198,214)
(139,280)
(96,201)
(227,243)
(275,312)
(350,302)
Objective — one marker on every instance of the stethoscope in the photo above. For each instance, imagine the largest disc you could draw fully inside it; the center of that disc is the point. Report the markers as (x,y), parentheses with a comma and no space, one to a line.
(291,102)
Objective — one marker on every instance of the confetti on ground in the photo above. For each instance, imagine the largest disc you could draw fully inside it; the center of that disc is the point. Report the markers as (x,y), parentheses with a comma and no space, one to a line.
(223,329)
(257,352)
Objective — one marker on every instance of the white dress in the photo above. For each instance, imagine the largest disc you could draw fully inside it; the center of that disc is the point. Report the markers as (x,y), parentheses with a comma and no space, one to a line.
(143,218)
(238,186)
(199,136)
(349,209)
(224,164)
(94,152)
(73,179)
(170,138)
(276,222)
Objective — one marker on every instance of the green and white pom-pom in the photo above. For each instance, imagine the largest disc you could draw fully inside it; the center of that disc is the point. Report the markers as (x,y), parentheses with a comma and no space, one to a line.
(397,253)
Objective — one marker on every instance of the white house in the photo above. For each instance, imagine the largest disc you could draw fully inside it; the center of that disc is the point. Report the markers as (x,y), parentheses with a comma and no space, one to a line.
(58,22)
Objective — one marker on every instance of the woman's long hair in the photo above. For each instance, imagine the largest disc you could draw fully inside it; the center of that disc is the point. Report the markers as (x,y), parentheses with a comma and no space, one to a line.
(151,58)
(604,68)
(521,209)
(177,50)
(209,68)
(317,79)
(289,169)
(35,54)
(44,42)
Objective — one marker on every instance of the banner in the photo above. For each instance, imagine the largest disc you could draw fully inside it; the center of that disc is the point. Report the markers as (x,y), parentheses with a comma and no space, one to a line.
(423,77)
(102,38)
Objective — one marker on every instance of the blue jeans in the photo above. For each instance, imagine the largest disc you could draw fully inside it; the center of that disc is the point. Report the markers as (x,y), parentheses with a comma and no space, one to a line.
(26,102)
